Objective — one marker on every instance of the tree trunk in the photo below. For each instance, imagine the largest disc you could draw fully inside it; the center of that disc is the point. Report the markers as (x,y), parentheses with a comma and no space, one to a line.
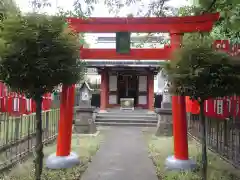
(39,143)
(203,141)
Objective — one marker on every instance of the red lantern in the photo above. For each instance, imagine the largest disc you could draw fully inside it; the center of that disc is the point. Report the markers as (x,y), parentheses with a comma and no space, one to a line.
(16,104)
(227,107)
(210,108)
(49,101)
(237,106)
(3,104)
(10,103)
(2,97)
(234,107)
(220,108)
(188,104)
(33,106)
(28,106)
(195,108)
(22,104)
(222,45)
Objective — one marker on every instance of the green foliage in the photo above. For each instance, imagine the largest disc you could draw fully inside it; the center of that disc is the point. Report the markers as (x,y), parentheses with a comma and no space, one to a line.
(8,7)
(200,72)
(228,26)
(188,10)
(218,169)
(38,54)
(85,146)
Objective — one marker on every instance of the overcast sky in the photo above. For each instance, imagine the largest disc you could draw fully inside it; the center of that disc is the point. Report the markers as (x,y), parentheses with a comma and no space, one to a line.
(100,10)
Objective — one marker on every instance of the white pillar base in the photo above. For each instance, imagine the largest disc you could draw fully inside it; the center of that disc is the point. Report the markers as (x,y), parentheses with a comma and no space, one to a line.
(103,111)
(150,112)
(172,163)
(62,162)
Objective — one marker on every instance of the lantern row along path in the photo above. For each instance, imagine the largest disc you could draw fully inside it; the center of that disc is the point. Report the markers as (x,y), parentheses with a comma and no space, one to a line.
(122,156)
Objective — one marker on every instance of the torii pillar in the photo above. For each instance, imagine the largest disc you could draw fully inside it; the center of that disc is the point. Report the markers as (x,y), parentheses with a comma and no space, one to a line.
(64,158)
(180,160)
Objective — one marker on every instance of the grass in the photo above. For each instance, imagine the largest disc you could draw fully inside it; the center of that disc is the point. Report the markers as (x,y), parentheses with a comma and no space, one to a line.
(161,147)
(84,146)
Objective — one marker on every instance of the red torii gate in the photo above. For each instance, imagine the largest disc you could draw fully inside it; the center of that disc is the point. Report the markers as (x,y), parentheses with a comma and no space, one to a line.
(176,26)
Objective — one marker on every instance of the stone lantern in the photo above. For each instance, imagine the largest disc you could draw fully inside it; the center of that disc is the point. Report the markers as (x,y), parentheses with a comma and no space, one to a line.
(164,126)
(85,115)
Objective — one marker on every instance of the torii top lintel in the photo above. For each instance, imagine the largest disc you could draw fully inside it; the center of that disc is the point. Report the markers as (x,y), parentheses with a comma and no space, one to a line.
(183,24)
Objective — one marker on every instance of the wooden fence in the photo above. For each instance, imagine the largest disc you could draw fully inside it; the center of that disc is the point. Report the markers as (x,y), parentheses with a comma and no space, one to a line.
(17,135)
(223,136)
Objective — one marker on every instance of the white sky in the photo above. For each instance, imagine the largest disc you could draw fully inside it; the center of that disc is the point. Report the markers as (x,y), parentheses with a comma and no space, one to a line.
(100,10)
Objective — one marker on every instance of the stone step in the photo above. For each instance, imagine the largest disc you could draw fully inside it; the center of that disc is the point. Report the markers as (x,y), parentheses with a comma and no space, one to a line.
(131,113)
(127,114)
(120,120)
(126,124)
(124,116)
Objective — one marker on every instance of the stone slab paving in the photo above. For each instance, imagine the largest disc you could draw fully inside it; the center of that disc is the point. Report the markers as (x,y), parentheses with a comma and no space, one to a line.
(123,156)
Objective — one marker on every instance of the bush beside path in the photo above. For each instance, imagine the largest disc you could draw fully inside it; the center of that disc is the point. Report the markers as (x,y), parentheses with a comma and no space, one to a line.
(161,147)
(84,146)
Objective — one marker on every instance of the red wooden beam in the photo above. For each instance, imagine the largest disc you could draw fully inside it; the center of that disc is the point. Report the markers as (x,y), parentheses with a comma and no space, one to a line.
(147,20)
(135,54)
(108,28)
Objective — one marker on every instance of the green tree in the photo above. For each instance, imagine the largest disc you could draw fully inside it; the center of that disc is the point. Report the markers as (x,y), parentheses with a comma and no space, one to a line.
(39,53)
(201,73)
(228,26)
(6,7)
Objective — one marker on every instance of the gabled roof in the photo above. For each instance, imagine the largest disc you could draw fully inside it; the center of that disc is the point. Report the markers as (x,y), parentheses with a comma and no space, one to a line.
(85,83)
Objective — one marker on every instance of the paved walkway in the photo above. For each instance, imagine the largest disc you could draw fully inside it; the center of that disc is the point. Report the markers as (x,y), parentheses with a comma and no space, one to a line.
(123,156)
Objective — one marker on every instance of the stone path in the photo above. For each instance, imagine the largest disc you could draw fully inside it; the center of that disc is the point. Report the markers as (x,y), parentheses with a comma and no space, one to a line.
(123,156)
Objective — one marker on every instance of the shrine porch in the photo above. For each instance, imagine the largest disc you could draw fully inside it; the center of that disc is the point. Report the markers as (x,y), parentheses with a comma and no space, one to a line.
(127,88)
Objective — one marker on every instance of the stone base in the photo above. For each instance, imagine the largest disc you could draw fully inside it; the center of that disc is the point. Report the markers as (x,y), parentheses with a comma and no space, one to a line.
(85,121)
(102,111)
(164,126)
(85,129)
(92,135)
(164,129)
(62,162)
(172,163)
(166,105)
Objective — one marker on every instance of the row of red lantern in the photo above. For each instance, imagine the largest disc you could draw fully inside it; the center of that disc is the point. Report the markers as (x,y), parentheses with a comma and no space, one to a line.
(19,104)
(226,46)
(216,108)
(220,107)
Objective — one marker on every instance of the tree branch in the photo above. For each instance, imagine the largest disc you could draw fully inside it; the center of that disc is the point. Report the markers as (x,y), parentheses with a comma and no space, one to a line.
(210,6)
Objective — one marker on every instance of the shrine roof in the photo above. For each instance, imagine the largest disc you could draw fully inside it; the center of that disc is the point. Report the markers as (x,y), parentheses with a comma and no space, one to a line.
(132,63)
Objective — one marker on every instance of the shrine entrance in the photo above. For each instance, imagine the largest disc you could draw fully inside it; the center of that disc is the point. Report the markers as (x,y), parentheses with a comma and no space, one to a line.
(128,87)
(175,26)
(129,83)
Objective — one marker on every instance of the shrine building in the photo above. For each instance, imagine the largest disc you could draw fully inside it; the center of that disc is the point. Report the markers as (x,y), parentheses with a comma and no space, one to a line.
(123,78)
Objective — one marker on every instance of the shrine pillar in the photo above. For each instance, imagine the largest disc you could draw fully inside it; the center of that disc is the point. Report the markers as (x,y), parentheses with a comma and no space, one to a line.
(104,90)
(180,160)
(64,158)
(150,79)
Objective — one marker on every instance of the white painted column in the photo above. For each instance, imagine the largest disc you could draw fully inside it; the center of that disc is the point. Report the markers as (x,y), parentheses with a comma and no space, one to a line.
(112,87)
(142,87)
